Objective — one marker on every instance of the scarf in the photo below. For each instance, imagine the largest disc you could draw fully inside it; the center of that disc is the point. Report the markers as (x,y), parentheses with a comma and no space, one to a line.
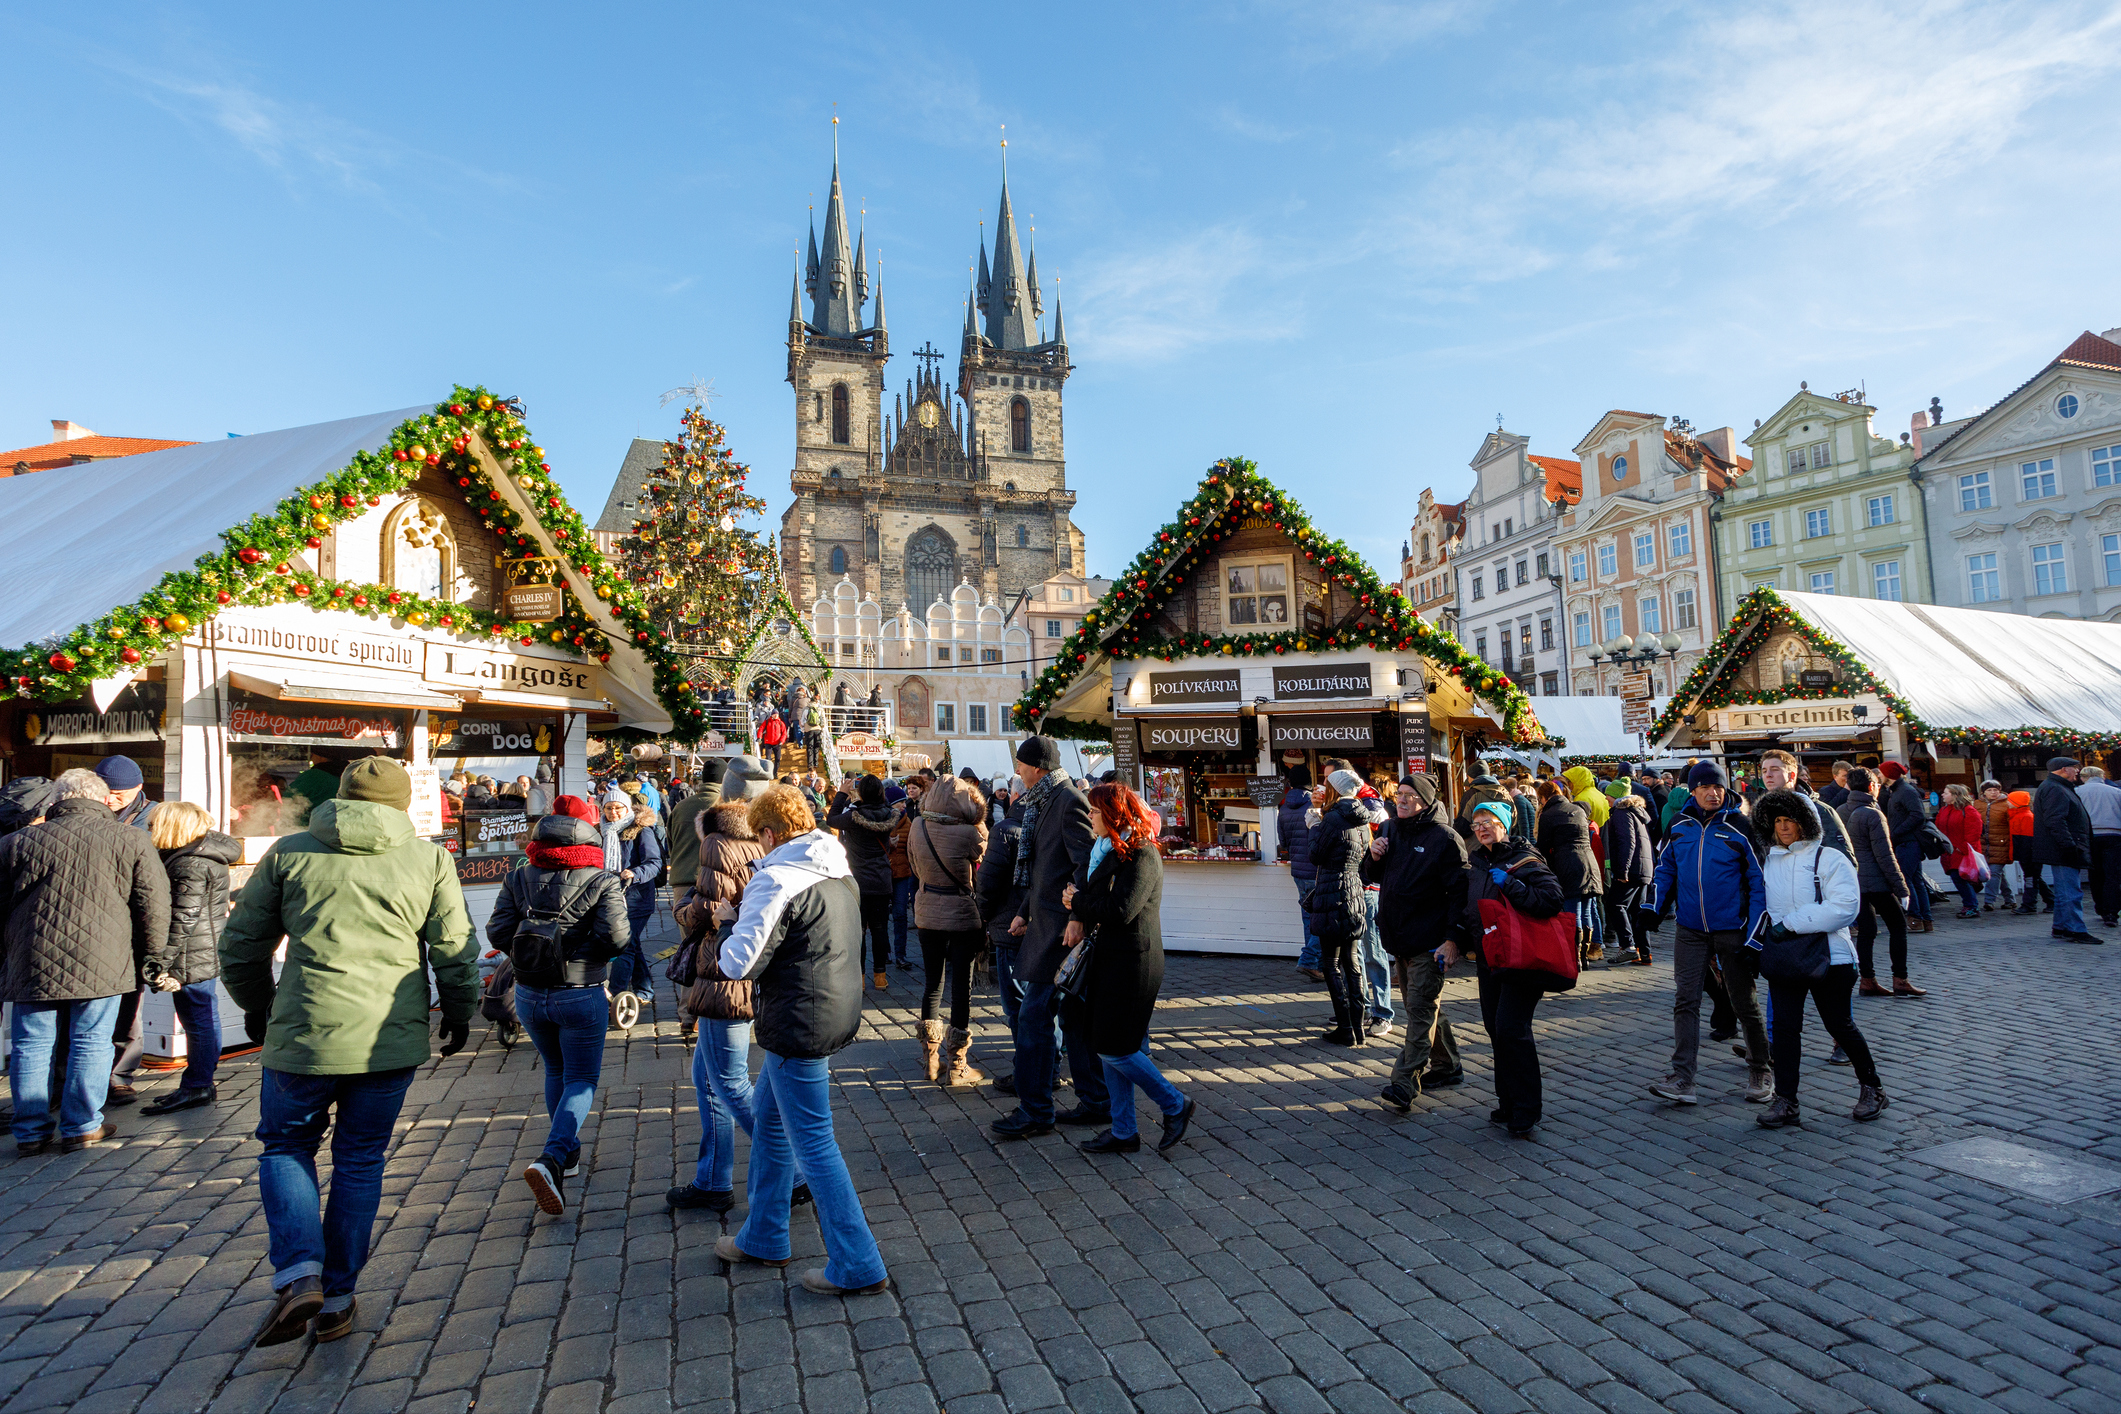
(566,856)
(1034,801)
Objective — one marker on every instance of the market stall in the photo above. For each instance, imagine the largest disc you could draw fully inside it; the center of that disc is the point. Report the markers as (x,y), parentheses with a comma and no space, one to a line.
(1243,642)
(1957,695)
(409,584)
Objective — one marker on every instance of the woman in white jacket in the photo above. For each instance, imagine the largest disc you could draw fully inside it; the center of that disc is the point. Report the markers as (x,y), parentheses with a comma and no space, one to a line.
(1811,890)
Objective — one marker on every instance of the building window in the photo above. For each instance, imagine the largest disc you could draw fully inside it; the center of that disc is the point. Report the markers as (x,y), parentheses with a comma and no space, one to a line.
(1065,595)
(1885,580)
(1609,621)
(1881,508)
(1984,581)
(945,718)
(931,566)
(2038,478)
(1650,614)
(839,559)
(1478,593)
(1683,609)
(942,655)
(1509,527)
(1761,533)
(976,718)
(2066,406)
(1822,453)
(1645,550)
(1546,635)
(1583,630)
(1256,592)
(1822,582)
(2050,574)
(1550,684)
(419,554)
(1608,559)
(1543,571)
(2106,465)
(1023,536)
(1682,539)
(1620,468)
(2110,556)
(842,432)
(1053,628)
(1524,573)
(1974,492)
(1019,425)
(990,655)
(1524,641)
(1480,646)
(1796,459)
(1817,523)
(1579,567)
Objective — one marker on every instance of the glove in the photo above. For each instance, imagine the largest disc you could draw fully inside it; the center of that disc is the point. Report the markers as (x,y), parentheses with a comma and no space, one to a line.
(454,1034)
(1498,877)
(254,1024)
(1651,922)
(1778,931)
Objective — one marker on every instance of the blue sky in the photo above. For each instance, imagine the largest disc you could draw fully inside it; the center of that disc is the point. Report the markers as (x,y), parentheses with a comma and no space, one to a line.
(1339,238)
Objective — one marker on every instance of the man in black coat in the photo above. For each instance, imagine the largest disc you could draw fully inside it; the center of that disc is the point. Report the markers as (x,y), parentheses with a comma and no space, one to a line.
(84,903)
(1905,818)
(1418,864)
(2062,840)
(1000,901)
(1053,852)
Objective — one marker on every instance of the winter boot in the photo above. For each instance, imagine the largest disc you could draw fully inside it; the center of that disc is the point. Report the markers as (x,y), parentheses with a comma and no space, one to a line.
(958,1070)
(1870,1103)
(931,1048)
(1782,1111)
(1343,1032)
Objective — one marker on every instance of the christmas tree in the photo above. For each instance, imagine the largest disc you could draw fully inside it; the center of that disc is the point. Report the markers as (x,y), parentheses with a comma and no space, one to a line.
(702,575)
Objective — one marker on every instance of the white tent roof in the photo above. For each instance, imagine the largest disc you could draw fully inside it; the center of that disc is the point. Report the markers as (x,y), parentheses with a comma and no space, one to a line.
(989,758)
(1969,668)
(1590,726)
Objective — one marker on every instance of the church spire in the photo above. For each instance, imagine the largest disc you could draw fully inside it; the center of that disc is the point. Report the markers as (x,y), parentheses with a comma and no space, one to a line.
(795,301)
(1008,305)
(1060,330)
(835,297)
(971,303)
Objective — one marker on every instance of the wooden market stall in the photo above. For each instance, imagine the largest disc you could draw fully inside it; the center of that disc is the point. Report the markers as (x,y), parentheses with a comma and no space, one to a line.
(1957,695)
(410,584)
(1242,642)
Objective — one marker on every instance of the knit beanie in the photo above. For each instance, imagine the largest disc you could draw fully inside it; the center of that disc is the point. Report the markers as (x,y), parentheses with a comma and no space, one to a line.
(1344,783)
(1707,773)
(575,806)
(1893,770)
(1499,810)
(380,779)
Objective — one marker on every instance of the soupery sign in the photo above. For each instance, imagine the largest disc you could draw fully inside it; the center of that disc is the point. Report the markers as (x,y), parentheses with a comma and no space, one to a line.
(477,736)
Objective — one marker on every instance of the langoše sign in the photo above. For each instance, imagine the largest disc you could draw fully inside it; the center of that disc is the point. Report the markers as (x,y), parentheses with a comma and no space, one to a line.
(454,665)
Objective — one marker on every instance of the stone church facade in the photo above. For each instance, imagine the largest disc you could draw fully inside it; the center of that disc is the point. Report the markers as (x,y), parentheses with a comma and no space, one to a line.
(952,483)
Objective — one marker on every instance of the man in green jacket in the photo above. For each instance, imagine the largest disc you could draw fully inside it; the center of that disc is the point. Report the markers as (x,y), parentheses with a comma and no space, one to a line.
(367,909)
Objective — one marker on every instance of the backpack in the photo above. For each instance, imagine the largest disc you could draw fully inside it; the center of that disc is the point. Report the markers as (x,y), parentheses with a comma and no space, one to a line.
(538,949)
(23,800)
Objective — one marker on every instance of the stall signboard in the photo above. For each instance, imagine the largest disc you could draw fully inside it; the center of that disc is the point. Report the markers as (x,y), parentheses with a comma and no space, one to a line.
(1191,734)
(1414,739)
(1124,759)
(1324,731)
(486,831)
(1815,678)
(135,715)
(485,868)
(1178,689)
(1266,791)
(1317,681)
(426,810)
(476,736)
(1775,719)
(533,603)
(259,719)
(454,665)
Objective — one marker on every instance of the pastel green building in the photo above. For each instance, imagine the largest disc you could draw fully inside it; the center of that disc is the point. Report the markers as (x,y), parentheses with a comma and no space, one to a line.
(1828,508)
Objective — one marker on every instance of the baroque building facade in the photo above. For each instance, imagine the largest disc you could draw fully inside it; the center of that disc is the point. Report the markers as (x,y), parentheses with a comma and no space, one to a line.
(1506,588)
(1425,559)
(958,481)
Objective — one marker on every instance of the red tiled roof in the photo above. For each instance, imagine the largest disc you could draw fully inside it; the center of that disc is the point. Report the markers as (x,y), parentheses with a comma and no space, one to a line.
(1564,478)
(2093,350)
(1718,473)
(57,454)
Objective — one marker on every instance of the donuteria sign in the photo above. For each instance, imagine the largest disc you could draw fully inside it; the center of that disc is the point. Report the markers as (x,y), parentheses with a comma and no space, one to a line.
(1793,716)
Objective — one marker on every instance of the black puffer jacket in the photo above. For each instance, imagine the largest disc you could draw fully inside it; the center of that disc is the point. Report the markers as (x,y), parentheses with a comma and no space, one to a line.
(1871,844)
(86,906)
(1904,814)
(1421,881)
(1627,841)
(1338,842)
(588,899)
(1565,840)
(1000,900)
(198,905)
(865,831)
(799,936)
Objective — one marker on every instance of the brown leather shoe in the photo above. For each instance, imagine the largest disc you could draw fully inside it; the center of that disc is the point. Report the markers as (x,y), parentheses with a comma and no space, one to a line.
(335,1325)
(1869,987)
(72,1143)
(728,1251)
(293,1306)
(1904,988)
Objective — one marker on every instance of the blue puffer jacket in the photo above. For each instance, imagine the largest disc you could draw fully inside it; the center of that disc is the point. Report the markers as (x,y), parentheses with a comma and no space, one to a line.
(1708,876)
(1296,834)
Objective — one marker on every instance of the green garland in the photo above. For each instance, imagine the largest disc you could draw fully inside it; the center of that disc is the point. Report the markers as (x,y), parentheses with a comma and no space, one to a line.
(1709,684)
(255,567)
(1232,491)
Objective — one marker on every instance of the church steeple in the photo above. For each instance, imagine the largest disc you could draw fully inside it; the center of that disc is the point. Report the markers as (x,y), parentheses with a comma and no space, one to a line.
(1007,294)
(837,291)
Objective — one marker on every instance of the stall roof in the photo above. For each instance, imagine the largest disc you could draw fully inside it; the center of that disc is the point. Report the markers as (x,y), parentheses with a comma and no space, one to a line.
(1966,670)
(86,542)
(991,759)
(1589,726)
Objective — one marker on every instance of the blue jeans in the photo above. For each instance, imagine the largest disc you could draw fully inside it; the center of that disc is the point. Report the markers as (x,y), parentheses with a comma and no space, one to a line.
(902,892)
(2068,885)
(1040,1031)
(1377,965)
(1909,853)
(199,1013)
(293,1111)
(1308,956)
(629,970)
(1997,885)
(1122,1075)
(33,1035)
(567,1025)
(793,1127)
(721,1074)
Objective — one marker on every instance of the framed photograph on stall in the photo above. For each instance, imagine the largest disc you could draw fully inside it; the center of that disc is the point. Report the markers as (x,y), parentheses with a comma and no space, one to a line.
(1256,591)
(1164,791)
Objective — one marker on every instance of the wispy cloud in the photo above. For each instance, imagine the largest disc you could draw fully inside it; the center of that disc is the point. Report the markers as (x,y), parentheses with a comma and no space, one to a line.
(1377,29)
(1151,302)
(1750,114)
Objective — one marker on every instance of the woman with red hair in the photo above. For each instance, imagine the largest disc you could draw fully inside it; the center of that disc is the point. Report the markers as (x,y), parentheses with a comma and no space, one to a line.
(1122,908)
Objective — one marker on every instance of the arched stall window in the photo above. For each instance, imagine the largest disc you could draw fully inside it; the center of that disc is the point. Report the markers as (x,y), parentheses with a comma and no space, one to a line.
(419,554)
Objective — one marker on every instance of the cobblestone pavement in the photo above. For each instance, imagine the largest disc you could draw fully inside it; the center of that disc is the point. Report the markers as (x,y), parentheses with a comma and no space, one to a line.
(1307,1250)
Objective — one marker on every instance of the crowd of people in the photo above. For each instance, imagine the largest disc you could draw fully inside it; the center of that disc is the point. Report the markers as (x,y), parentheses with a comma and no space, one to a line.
(790,896)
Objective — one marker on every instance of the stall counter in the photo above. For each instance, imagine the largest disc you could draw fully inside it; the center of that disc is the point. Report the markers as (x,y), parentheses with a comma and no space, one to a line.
(1231,906)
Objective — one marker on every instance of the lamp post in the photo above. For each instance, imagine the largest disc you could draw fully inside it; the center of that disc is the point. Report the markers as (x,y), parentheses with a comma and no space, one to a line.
(1624,652)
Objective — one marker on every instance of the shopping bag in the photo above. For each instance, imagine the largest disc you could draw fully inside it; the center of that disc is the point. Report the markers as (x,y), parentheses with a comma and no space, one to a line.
(1509,939)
